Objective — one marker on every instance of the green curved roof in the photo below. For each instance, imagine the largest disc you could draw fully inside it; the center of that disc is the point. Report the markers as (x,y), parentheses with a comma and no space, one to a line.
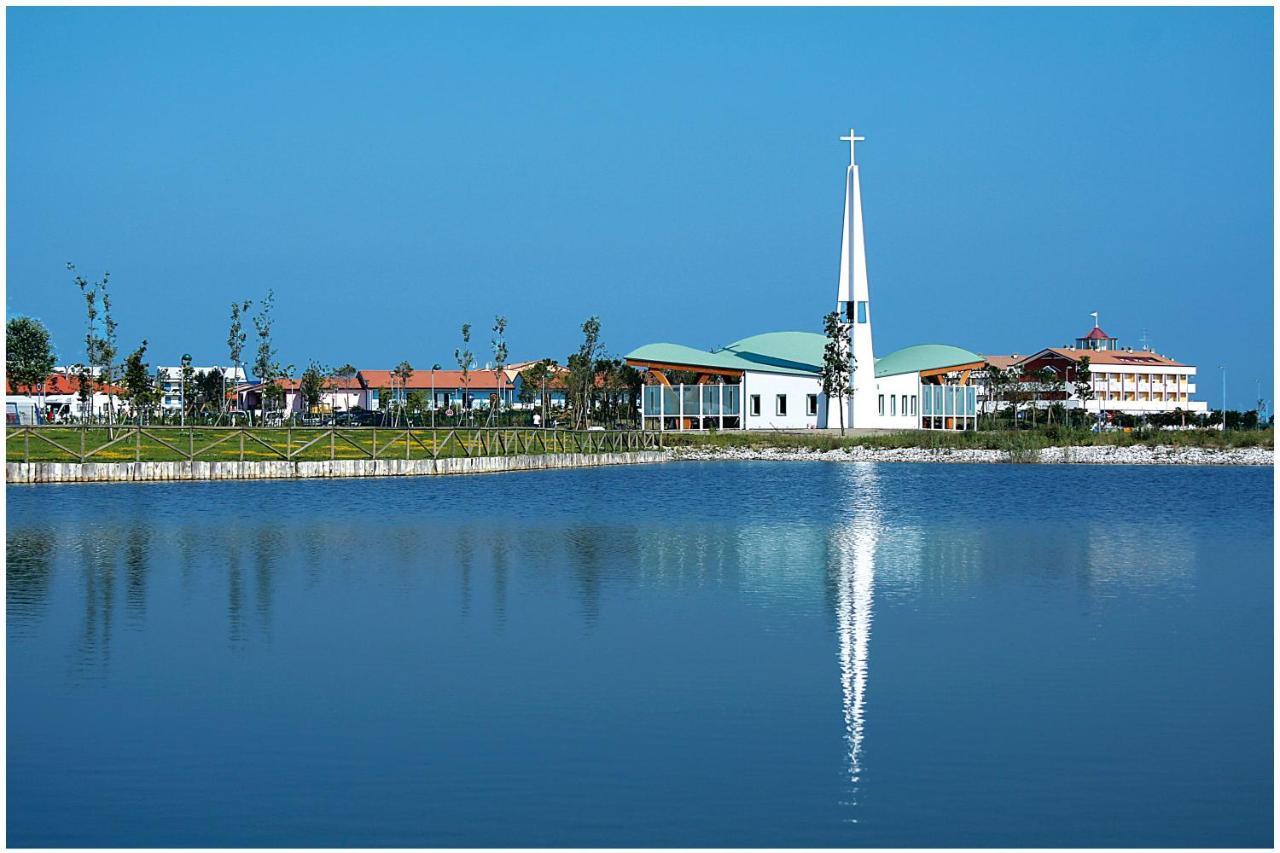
(923,357)
(774,352)
(797,352)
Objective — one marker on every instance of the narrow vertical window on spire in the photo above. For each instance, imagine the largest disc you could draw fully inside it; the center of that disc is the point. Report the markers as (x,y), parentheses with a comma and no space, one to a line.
(862,312)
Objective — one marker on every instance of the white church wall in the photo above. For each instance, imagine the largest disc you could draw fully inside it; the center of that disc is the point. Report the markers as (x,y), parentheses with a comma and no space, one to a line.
(796,389)
(897,391)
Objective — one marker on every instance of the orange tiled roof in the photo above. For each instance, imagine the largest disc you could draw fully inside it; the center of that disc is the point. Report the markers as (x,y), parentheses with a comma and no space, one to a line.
(61,383)
(1124,358)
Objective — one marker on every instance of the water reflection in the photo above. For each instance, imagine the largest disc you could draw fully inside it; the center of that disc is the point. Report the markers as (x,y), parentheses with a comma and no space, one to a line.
(853,552)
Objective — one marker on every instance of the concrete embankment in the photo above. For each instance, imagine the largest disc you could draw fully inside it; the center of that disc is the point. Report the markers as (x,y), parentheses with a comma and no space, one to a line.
(133,472)
(1095,455)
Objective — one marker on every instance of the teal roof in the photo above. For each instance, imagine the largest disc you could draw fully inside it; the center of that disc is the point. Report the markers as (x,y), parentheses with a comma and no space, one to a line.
(923,357)
(797,352)
(774,352)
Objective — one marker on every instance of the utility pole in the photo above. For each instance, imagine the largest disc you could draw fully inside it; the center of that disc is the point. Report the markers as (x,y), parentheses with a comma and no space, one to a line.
(1223,367)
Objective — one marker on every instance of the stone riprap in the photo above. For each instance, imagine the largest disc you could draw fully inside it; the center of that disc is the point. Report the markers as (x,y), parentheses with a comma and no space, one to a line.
(1099,455)
(132,472)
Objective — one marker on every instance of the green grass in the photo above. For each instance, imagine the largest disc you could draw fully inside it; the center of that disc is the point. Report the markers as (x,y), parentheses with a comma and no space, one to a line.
(1019,443)
(273,444)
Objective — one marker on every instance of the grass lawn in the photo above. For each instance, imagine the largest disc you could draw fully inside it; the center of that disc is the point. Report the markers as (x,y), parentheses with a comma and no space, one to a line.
(1014,441)
(305,444)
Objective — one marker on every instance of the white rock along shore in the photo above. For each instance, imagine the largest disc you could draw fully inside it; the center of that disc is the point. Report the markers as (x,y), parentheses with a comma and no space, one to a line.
(1099,455)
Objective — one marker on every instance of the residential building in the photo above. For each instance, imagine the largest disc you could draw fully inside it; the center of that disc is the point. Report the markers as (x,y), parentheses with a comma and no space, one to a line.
(171,382)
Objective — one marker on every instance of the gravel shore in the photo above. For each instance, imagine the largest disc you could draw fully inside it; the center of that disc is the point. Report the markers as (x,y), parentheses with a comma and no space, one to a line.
(1100,455)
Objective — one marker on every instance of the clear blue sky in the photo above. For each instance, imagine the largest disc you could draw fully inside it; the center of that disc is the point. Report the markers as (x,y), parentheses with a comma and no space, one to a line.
(393,173)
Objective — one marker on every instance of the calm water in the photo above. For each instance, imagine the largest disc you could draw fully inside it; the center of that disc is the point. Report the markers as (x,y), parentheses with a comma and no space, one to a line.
(701,654)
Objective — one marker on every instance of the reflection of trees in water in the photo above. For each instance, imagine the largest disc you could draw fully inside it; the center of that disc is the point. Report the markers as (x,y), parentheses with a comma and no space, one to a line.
(235,587)
(267,545)
(584,553)
(136,554)
(99,550)
(465,549)
(501,556)
(28,570)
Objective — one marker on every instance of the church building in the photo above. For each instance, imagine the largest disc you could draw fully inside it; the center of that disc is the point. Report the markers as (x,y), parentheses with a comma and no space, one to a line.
(771,380)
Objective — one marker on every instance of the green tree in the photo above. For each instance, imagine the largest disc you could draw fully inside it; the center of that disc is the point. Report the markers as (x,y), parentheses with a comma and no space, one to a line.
(138,382)
(188,389)
(466,360)
(236,337)
(311,385)
(29,357)
(100,333)
(400,377)
(582,377)
(837,364)
(499,344)
(264,364)
(1082,385)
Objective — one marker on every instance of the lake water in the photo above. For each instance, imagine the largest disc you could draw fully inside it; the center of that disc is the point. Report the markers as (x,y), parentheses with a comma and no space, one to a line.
(694,653)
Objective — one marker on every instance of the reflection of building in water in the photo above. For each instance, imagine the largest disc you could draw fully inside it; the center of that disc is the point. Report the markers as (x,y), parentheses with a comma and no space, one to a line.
(782,560)
(1121,556)
(853,564)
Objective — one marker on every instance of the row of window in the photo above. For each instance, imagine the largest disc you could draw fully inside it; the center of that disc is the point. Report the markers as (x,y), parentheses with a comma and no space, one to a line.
(894,405)
(780,405)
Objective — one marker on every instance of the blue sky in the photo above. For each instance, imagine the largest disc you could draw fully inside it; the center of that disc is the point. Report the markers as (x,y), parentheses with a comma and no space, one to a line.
(394,173)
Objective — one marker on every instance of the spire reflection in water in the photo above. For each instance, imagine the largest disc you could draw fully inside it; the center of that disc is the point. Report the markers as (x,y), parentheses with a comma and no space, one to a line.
(853,550)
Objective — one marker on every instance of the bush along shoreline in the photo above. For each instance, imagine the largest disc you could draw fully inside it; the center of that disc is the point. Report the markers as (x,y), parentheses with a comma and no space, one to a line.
(1201,447)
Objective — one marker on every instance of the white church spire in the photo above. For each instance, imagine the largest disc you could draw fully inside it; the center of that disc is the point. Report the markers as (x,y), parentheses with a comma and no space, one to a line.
(854,297)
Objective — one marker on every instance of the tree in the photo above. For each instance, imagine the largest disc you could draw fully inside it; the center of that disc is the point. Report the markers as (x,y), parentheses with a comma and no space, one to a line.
(466,360)
(582,376)
(996,382)
(100,332)
(187,382)
(138,382)
(311,385)
(210,386)
(29,357)
(499,343)
(1082,385)
(837,364)
(539,376)
(236,337)
(265,358)
(84,390)
(400,376)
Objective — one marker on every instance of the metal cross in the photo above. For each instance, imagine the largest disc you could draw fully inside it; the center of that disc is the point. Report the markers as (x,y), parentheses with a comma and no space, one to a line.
(852,139)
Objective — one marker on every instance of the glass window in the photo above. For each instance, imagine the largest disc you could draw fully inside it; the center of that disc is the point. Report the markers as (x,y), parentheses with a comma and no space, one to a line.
(670,400)
(730,402)
(862,312)
(882,405)
(691,400)
(755,405)
(811,404)
(711,399)
(904,404)
(893,405)
(913,405)
(781,404)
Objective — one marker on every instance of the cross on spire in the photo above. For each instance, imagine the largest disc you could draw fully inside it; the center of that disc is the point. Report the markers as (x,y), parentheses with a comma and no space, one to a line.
(852,139)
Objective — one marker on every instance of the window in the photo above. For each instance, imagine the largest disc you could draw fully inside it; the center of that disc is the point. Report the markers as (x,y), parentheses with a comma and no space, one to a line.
(755,405)
(882,405)
(781,404)
(811,404)
(904,404)
(893,405)
(862,312)
(913,405)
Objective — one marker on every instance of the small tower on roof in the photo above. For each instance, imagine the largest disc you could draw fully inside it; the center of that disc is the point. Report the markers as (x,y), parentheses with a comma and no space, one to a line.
(853,299)
(1097,339)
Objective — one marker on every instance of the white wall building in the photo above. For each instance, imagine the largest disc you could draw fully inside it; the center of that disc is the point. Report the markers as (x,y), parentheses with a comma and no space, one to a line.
(771,381)
(172,382)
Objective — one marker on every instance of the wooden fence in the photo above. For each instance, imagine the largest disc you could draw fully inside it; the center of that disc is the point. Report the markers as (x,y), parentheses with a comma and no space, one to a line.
(125,443)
